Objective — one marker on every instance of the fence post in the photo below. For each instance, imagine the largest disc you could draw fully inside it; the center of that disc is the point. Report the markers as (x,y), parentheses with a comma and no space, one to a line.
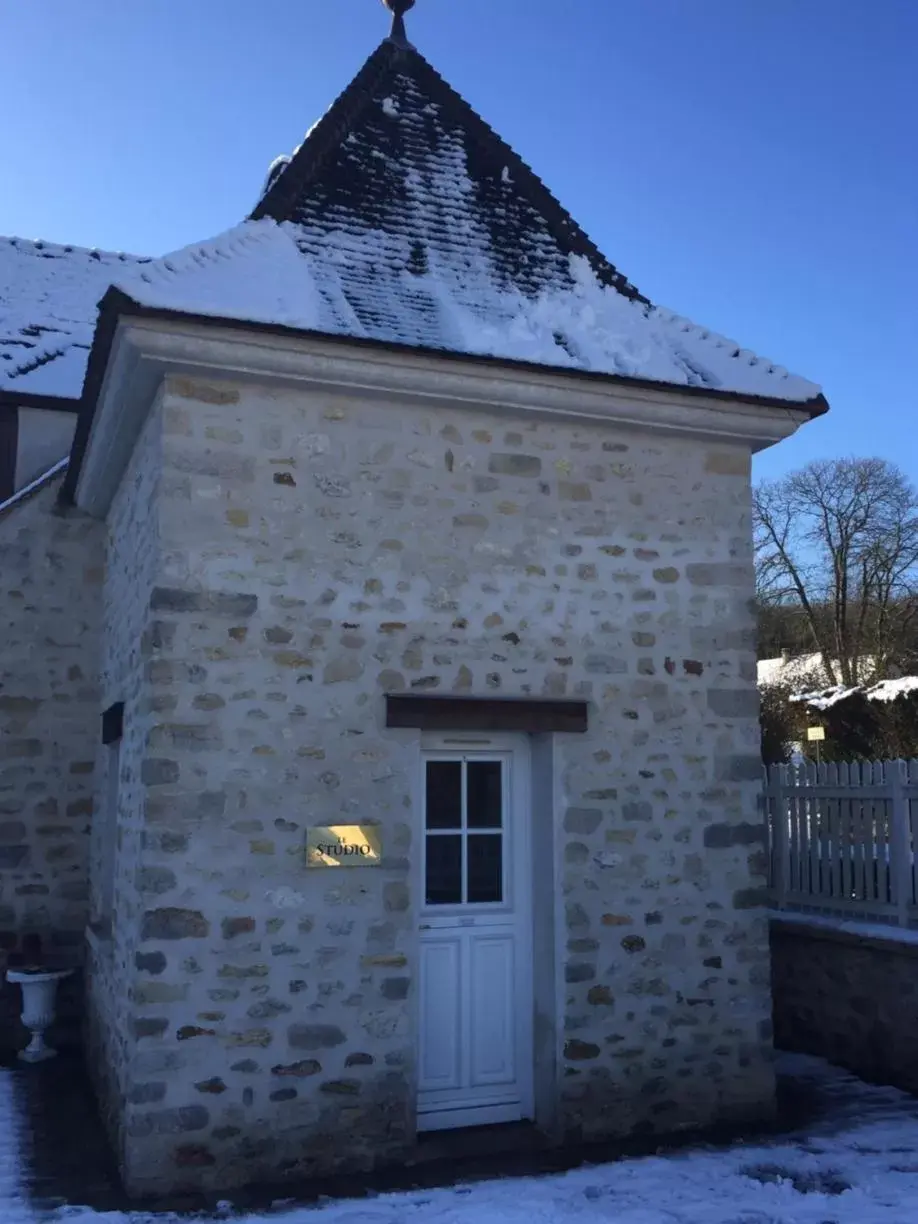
(900,842)
(775,800)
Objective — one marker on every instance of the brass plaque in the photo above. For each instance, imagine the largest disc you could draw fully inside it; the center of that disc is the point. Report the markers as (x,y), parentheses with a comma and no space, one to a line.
(343,846)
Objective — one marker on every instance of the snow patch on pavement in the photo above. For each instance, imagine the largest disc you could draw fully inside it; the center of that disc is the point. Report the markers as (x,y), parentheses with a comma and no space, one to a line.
(857,1164)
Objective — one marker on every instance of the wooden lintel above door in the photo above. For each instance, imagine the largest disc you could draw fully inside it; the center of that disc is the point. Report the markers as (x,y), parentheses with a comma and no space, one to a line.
(485,714)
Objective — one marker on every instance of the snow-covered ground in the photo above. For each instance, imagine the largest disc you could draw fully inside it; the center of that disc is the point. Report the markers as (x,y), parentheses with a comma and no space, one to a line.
(856,1163)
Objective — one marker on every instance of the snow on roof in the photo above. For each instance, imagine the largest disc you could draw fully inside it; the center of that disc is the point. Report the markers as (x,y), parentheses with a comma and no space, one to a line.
(824,699)
(889,690)
(48,296)
(421,226)
(289,275)
(883,690)
(253,272)
(402,218)
(805,669)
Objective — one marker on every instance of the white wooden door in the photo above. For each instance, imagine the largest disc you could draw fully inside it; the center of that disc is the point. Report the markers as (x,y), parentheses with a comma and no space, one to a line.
(475,1057)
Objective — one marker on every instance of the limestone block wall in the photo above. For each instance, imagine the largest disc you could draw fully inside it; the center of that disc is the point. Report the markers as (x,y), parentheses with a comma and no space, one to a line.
(316,552)
(129,635)
(50,612)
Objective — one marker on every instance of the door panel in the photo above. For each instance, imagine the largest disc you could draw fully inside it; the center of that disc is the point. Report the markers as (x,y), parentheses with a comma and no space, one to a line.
(490,985)
(441,1028)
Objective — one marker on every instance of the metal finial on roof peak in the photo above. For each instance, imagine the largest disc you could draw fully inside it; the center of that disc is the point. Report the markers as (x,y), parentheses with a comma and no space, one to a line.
(398,9)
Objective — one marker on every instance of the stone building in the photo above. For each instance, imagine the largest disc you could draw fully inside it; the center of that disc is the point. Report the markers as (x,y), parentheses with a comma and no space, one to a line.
(377,671)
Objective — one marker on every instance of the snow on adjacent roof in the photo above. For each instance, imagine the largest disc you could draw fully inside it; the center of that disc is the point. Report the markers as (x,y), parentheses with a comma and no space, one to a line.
(883,690)
(824,699)
(809,669)
(889,690)
(48,297)
(792,669)
(289,275)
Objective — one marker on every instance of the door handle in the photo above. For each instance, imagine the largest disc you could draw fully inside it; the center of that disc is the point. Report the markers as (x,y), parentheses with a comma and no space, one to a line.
(425,926)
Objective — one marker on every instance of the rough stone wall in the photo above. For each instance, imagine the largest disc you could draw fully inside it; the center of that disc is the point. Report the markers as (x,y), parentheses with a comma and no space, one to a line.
(128,637)
(317,553)
(848,998)
(50,608)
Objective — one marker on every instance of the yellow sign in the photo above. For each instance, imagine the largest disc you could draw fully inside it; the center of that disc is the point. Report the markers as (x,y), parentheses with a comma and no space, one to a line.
(343,846)
(815,733)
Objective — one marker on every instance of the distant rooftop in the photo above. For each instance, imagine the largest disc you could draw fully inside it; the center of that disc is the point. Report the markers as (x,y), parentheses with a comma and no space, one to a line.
(791,670)
(48,297)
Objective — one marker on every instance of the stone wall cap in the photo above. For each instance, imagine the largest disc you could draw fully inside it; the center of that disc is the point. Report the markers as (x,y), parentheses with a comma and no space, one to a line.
(895,940)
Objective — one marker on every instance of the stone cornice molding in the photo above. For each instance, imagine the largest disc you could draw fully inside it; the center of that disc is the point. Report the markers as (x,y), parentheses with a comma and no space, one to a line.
(145,352)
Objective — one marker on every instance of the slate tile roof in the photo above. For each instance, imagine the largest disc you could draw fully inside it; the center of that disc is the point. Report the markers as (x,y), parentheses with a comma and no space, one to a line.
(48,297)
(401,218)
(401,153)
(420,226)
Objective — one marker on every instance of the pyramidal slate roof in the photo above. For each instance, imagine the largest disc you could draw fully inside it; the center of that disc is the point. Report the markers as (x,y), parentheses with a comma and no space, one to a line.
(401,153)
(404,219)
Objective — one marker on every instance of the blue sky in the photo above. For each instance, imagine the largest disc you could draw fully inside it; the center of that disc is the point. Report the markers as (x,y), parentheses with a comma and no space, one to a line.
(749,163)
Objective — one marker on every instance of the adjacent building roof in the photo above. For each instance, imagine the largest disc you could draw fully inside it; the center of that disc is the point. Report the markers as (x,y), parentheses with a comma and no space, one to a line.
(883,690)
(789,670)
(807,672)
(48,297)
(402,218)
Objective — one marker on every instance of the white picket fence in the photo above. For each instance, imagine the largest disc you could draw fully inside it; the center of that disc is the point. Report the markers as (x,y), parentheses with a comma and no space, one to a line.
(842,839)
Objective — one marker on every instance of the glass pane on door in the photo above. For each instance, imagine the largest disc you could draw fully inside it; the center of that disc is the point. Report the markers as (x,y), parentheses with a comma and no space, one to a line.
(444,794)
(484,803)
(444,869)
(485,868)
(464,834)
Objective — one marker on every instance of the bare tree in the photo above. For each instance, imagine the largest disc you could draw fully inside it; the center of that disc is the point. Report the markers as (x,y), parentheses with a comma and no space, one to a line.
(838,539)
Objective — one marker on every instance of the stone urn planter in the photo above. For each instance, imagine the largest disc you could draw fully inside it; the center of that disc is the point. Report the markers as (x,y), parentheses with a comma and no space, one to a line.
(39,988)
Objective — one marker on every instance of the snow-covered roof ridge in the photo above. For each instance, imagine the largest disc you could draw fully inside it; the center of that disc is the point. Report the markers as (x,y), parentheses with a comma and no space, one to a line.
(241,238)
(253,272)
(48,296)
